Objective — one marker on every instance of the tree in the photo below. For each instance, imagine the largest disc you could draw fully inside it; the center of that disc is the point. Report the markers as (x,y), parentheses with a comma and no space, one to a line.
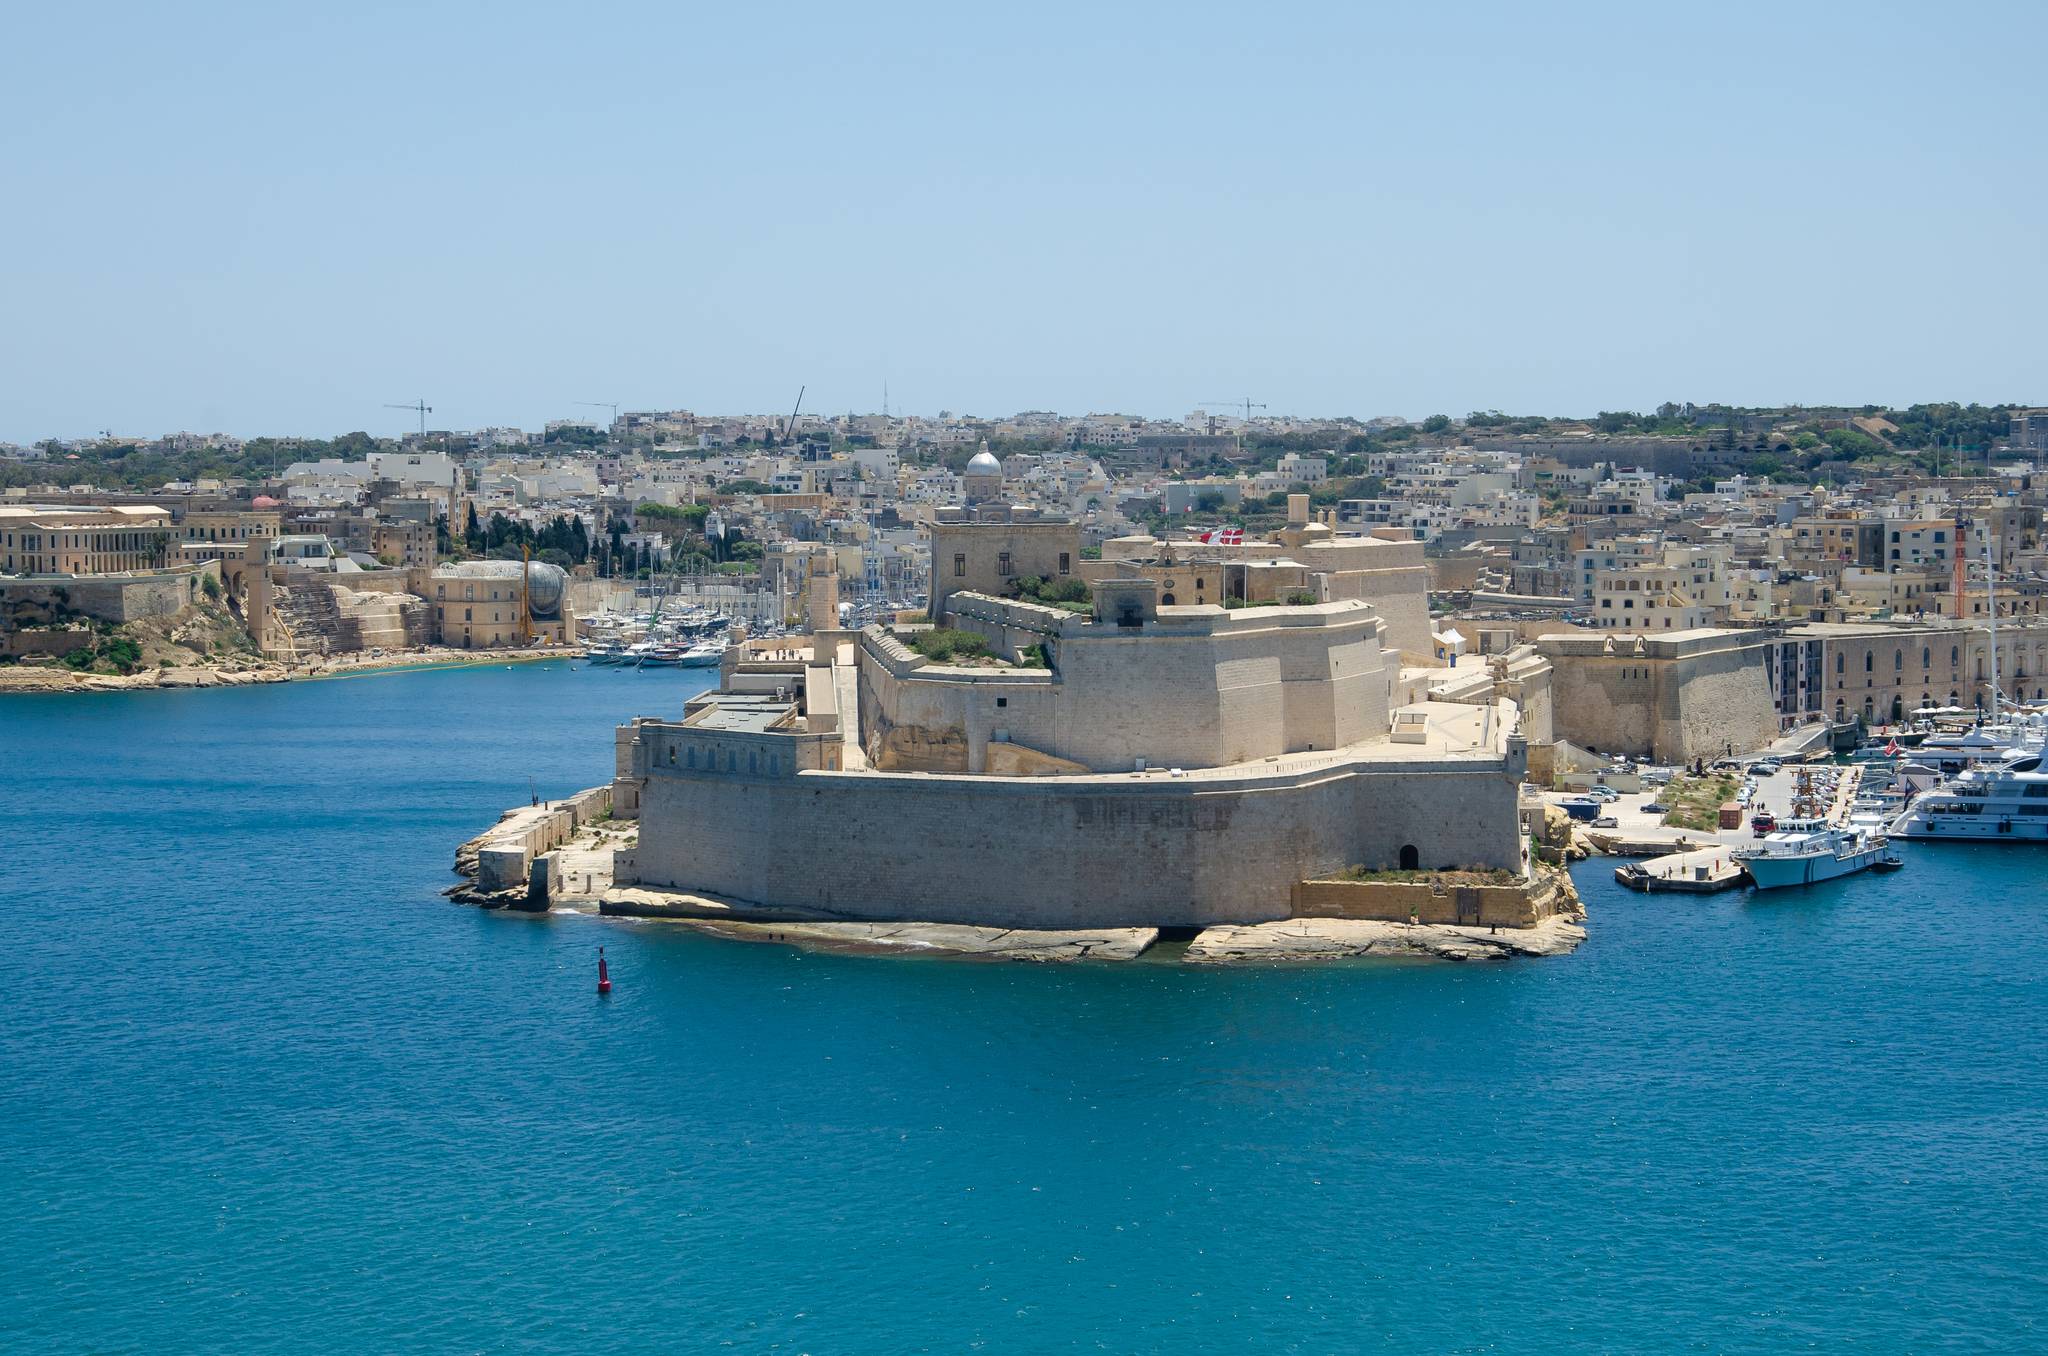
(1436,423)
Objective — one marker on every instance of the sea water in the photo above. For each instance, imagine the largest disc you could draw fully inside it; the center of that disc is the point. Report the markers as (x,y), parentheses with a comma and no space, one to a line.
(262,1088)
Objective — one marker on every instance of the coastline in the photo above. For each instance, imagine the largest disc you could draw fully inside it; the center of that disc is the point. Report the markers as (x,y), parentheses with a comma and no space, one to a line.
(46,678)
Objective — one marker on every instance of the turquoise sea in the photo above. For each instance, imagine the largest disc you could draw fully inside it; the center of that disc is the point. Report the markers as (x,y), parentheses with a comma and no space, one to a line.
(262,1089)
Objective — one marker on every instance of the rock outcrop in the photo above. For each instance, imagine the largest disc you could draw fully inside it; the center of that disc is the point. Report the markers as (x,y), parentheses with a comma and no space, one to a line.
(944,939)
(1320,939)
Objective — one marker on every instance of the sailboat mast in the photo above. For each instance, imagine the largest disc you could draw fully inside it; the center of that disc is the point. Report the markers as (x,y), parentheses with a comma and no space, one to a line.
(1991,606)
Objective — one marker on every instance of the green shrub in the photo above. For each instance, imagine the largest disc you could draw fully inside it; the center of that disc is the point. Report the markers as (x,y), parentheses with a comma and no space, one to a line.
(1055,591)
(123,653)
(945,643)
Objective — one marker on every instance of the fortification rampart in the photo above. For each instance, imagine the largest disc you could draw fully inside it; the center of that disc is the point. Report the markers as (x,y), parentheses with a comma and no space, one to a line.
(106,597)
(1227,845)
(1672,698)
(1191,687)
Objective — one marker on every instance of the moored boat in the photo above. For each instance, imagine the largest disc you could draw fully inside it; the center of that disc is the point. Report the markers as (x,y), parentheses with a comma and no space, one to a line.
(1808,851)
(2007,803)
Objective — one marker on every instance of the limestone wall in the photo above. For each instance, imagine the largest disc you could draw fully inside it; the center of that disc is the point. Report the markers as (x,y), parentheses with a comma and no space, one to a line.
(1507,906)
(1057,852)
(504,854)
(1200,687)
(112,598)
(1671,698)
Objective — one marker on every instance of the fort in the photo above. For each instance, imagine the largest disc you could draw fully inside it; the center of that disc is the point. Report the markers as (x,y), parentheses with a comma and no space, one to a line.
(1137,764)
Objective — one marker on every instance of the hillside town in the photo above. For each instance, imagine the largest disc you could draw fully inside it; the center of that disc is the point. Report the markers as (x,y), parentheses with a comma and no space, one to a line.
(1807,565)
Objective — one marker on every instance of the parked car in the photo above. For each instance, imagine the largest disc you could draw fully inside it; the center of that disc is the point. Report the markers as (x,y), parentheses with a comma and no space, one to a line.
(1606,822)
(1606,793)
(1656,807)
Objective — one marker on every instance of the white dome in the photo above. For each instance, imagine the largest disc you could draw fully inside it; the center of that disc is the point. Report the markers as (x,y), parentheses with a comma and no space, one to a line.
(984,464)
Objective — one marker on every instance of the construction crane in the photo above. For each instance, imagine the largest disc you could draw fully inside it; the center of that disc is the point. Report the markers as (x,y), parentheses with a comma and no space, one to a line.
(611,405)
(421,407)
(1248,403)
(790,427)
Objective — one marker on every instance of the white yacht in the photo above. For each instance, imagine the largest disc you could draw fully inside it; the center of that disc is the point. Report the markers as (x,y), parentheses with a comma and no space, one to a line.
(705,654)
(1808,851)
(2007,803)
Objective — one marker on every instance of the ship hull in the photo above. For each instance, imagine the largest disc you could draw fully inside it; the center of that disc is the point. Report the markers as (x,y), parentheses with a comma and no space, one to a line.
(1971,829)
(1781,872)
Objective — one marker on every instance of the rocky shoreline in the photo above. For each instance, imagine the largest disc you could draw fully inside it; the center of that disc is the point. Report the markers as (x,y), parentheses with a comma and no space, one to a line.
(1282,941)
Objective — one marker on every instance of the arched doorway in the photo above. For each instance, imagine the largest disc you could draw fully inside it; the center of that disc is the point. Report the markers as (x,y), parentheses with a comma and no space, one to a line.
(1166,600)
(1411,859)
(1898,709)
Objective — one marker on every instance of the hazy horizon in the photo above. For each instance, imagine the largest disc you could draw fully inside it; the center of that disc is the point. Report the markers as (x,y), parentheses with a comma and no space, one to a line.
(260,222)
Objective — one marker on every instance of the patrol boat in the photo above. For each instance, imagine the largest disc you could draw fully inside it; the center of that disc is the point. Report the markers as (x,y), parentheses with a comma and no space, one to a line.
(1808,851)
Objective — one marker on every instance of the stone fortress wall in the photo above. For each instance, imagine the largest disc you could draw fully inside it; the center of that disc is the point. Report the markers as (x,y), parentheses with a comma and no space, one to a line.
(108,597)
(1060,852)
(1170,765)
(1190,687)
(1674,697)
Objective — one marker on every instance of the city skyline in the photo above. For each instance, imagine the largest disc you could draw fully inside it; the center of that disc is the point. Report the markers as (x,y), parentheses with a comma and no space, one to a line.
(248,227)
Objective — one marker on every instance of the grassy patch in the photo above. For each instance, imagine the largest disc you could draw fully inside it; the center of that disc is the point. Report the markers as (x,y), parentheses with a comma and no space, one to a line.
(944,644)
(1696,801)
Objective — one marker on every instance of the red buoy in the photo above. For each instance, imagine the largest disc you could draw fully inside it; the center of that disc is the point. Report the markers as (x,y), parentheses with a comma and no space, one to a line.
(604,978)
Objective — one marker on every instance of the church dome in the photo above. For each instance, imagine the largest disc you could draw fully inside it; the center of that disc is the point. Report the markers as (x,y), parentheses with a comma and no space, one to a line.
(984,464)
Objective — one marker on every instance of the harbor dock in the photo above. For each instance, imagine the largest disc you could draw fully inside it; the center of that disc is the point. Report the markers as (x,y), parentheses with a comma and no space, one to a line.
(1690,866)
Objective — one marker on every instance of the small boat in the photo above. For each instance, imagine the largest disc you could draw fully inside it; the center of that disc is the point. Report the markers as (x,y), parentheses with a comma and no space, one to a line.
(1808,851)
(703,655)
(1888,862)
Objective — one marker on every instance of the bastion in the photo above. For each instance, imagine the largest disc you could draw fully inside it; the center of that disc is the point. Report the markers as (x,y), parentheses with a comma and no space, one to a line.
(1140,765)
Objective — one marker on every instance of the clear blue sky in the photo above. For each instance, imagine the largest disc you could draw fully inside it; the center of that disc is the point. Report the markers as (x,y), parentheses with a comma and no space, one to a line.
(258,219)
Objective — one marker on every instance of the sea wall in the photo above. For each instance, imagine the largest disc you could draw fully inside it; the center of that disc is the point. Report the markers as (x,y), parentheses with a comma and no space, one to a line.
(1063,852)
(1508,906)
(504,854)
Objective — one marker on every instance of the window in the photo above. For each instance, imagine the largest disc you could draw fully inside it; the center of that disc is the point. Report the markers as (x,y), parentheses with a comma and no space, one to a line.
(1898,660)
(1840,659)
(1926,657)
(1869,662)
(959,566)
(466,614)
(1003,564)
(1065,563)
(1955,656)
